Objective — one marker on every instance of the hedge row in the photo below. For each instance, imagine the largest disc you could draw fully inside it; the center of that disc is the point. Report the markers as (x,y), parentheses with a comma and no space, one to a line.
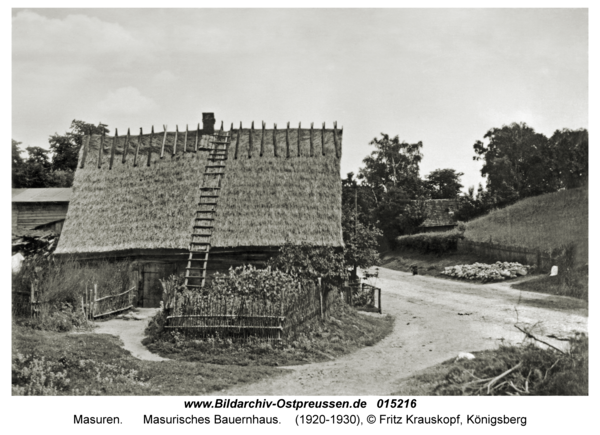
(434,243)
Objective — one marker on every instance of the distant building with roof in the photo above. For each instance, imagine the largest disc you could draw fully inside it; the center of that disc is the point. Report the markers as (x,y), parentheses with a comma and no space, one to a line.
(440,215)
(40,209)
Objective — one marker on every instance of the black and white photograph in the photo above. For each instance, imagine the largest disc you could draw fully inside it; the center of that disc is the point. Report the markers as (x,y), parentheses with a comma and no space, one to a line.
(266,218)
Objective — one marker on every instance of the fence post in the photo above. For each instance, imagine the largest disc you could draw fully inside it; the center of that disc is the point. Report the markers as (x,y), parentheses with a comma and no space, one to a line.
(379,297)
(320,296)
(32,298)
(95,297)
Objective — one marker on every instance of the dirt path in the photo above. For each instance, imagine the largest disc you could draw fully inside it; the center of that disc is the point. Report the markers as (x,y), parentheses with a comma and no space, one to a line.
(435,320)
(131,332)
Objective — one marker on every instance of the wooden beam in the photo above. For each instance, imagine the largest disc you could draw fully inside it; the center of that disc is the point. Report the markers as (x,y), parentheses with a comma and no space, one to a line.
(101,149)
(137,149)
(162,149)
(150,147)
(311,140)
(112,149)
(237,142)
(323,140)
(125,147)
(335,139)
(299,128)
(262,140)
(174,150)
(250,140)
(85,150)
(185,139)
(287,141)
(275,139)
(197,138)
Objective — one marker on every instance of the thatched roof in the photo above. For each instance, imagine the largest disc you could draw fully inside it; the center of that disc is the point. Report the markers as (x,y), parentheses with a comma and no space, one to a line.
(279,186)
(440,213)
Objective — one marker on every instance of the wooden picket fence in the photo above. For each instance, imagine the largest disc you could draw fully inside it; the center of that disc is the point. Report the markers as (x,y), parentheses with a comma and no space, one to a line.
(31,304)
(242,317)
(362,295)
(94,306)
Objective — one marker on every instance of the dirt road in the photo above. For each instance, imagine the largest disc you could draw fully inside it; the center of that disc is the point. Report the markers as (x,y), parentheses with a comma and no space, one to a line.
(435,320)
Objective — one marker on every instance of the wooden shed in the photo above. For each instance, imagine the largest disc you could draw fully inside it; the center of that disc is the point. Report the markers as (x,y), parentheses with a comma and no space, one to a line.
(440,215)
(42,209)
(201,200)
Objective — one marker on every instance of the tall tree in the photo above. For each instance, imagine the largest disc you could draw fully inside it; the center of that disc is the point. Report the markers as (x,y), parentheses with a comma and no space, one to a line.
(392,164)
(569,151)
(444,183)
(517,162)
(65,148)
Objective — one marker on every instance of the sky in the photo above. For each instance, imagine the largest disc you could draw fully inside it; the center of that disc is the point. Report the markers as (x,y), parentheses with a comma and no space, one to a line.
(440,76)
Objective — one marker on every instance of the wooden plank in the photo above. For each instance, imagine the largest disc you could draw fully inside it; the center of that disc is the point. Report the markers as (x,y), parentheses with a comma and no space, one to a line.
(197,138)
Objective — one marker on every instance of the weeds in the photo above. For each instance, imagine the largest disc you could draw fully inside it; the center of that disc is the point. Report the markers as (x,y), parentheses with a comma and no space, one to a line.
(520,370)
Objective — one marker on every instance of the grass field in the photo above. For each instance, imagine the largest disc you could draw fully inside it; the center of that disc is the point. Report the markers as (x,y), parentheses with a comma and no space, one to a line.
(85,363)
(543,222)
(95,364)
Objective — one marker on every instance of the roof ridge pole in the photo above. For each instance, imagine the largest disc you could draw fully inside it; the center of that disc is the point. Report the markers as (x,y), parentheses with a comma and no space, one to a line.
(323,139)
(112,149)
(150,147)
(250,140)
(125,147)
(198,137)
(185,139)
(275,140)
(311,140)
(162,150)
(221,129)
(174,150)
(262,139)
(85,150)
(101,149)
(299,125)
(287,141)
(137,148)
(335,139)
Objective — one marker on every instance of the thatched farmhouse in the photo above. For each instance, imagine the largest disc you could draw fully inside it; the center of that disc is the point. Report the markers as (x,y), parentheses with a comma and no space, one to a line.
(202,200)
(40,209)
(440,215)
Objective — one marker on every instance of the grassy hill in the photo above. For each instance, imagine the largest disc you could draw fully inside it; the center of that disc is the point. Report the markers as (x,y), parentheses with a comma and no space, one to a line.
(544,222)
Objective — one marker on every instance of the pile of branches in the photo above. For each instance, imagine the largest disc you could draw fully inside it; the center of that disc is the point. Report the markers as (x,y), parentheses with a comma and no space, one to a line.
(520,371)
(34,244)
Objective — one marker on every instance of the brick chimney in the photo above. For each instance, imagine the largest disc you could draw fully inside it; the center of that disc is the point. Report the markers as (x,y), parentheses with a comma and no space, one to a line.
(208,123)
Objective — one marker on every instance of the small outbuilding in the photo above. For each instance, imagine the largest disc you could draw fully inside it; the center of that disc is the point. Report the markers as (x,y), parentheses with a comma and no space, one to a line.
(440,215)
(40,209)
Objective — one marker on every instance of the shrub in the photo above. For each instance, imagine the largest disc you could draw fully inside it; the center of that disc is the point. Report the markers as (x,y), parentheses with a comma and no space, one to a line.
(33,376)
(308,263)
(434,243)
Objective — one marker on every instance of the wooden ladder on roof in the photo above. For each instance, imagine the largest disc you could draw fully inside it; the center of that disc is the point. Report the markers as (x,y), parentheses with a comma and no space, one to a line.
(195,272)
